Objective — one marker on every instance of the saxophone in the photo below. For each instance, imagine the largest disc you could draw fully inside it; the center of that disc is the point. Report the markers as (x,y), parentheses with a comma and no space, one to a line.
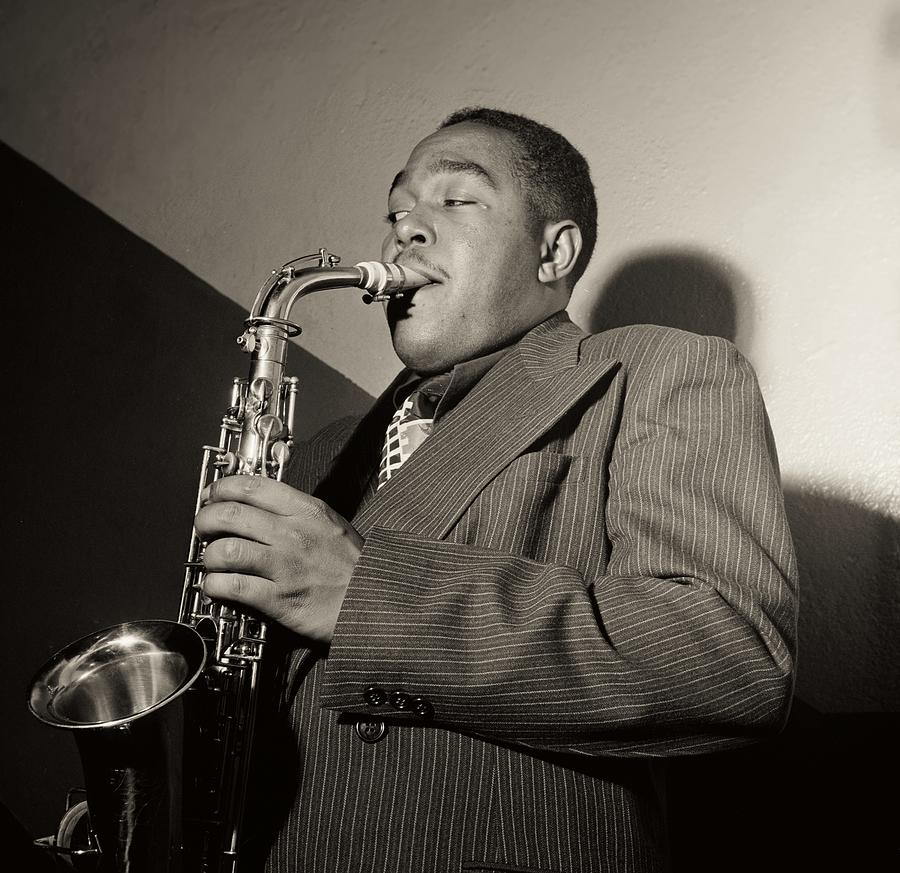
(163,712)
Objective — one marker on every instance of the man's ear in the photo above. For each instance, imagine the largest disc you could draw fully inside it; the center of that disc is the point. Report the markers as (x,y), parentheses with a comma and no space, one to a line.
(560,247)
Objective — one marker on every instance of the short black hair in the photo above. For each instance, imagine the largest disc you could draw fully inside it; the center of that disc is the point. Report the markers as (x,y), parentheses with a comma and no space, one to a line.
(554,175)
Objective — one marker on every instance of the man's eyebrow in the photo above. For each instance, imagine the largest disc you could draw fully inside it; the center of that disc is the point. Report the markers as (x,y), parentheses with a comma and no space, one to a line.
(448,165)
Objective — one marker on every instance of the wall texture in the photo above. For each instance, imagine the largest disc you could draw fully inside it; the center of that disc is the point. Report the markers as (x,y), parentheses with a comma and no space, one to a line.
(746,159)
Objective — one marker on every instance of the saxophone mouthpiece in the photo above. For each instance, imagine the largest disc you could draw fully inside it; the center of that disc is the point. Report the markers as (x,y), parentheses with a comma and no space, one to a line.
(383,280)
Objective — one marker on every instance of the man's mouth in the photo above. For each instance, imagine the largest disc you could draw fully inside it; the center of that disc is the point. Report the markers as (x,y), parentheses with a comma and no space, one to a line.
(400,305)
(430,271)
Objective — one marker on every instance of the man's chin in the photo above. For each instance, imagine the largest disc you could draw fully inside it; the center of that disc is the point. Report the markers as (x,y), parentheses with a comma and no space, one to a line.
(417,348)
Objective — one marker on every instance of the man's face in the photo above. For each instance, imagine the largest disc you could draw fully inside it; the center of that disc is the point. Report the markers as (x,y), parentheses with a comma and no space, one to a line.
(458,216)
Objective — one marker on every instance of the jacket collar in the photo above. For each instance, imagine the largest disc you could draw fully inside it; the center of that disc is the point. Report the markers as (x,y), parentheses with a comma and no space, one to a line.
(521,398)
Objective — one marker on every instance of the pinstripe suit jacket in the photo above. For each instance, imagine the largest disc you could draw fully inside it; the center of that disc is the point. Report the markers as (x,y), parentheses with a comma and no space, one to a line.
(587,566)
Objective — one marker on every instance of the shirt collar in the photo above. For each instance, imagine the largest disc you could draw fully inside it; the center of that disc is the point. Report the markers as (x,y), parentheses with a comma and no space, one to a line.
(447,389)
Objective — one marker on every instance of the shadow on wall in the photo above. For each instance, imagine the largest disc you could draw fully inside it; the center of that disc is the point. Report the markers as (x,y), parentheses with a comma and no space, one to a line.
(849,559)
(684,288)
(811,799)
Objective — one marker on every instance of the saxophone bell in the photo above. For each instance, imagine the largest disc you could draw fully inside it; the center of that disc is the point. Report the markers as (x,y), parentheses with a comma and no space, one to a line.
(120,690)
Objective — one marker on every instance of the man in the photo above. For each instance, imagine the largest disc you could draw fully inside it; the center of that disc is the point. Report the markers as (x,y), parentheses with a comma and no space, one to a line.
(582,566)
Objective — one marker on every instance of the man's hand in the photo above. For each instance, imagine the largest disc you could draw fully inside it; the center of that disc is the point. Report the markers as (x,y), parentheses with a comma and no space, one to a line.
(277,550)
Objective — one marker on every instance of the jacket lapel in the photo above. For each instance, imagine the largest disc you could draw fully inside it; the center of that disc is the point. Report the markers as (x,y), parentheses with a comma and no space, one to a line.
(517,401)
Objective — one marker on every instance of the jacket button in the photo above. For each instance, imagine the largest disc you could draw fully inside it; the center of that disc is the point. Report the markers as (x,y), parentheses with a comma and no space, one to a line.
(399,699)
(422,707)
(374,695)
(371,731)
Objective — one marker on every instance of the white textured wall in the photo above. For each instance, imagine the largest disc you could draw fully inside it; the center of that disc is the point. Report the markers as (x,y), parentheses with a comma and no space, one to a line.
(763,136)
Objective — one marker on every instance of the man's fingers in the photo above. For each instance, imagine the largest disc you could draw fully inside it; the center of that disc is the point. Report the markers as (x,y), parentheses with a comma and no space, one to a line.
(261,492)
(237,519)
(236,554)
(240,588)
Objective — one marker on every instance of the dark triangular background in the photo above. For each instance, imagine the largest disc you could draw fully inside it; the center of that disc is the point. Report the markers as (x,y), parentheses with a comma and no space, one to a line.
(121,367)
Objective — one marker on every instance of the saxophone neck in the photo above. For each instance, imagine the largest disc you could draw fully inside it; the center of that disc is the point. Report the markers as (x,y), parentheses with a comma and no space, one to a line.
(296,279)
(284,287)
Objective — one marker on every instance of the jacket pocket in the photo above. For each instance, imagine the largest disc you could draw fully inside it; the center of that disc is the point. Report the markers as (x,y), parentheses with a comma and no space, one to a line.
(537,467)
(552,467)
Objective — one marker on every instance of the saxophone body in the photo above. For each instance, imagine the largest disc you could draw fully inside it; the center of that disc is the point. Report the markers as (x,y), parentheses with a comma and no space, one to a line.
(163,712)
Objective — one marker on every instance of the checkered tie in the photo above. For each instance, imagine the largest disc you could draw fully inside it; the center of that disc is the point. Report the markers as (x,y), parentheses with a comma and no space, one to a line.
(411,425)
(406,432)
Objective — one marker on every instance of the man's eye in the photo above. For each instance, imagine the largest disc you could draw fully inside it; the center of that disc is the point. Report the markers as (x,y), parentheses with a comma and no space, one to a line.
(394,217)
(452,202)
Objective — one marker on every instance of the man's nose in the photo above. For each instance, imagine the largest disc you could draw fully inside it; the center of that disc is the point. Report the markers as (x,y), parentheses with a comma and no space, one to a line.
(413,230)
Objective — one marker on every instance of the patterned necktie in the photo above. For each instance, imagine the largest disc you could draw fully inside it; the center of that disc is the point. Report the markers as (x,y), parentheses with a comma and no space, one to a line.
(410,426)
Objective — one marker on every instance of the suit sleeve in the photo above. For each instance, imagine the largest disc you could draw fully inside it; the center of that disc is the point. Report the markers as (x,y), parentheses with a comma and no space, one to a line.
(682,642)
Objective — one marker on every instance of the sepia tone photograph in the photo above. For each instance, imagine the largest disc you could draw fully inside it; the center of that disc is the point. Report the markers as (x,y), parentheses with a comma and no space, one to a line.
(463,437)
